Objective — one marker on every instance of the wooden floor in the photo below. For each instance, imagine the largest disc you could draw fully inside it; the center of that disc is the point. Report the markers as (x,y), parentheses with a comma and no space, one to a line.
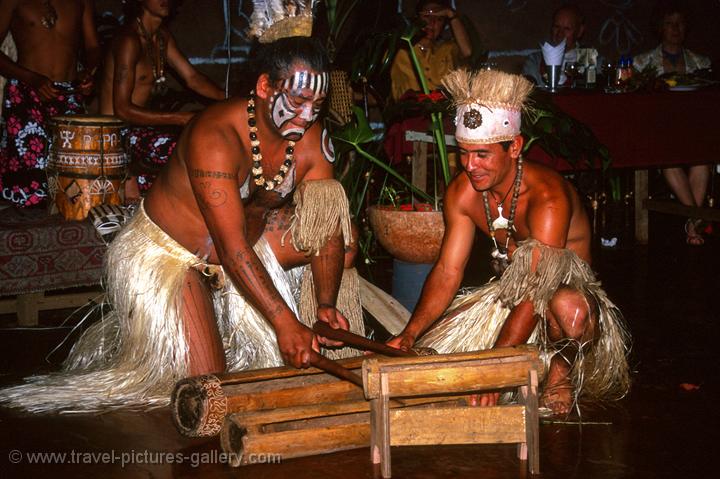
(666,427)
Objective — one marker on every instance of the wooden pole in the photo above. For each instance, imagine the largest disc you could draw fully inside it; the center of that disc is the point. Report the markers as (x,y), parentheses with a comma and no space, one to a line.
(323,329)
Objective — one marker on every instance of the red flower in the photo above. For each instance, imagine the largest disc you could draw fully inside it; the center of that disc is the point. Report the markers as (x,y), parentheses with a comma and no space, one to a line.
(434,96)
(36,145)
(13,125)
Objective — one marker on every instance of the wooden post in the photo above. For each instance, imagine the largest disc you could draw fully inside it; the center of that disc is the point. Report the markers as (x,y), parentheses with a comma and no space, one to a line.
(419,165)
(641,214)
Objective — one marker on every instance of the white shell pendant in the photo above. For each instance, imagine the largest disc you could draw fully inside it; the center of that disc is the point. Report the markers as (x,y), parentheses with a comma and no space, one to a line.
(500,222)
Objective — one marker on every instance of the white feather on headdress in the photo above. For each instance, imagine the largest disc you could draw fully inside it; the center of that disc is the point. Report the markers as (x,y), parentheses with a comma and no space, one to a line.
(275,19)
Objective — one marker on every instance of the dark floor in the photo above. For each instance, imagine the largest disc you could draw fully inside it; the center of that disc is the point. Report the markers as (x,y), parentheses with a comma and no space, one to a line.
(666,427)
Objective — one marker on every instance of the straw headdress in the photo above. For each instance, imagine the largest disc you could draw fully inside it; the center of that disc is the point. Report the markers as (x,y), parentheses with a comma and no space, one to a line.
(272,20)
(489,104)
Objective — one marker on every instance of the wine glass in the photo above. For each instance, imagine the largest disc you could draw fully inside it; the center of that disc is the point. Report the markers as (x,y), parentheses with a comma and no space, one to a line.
(571,71)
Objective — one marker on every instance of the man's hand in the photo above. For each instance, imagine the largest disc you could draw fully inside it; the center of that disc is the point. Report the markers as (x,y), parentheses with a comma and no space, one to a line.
(295,342)
(86,81)
(45,88)
(330,315)
(132,191)
(402,341)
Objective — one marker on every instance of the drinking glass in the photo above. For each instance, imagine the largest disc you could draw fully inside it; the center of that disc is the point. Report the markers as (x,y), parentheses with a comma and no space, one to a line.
(571,71)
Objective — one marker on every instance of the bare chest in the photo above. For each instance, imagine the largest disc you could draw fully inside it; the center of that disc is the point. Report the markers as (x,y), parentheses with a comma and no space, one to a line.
(51,17)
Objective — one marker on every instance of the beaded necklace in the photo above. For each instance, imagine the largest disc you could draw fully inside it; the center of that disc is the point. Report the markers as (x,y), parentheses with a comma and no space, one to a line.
(499,256)
(50,18)
(156,57)
(257,169)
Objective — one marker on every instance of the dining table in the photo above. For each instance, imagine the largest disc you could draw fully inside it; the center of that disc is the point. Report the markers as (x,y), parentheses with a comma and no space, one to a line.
(644,130)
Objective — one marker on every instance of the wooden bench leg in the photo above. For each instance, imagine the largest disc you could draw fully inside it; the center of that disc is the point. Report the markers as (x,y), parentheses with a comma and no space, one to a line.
(531,447)
(28,306)
(380,429)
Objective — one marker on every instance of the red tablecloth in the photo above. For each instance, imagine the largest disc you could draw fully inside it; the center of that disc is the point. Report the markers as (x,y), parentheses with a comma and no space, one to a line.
(646,129)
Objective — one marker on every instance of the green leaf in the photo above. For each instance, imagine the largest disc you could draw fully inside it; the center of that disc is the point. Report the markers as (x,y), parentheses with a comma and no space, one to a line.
(357,134)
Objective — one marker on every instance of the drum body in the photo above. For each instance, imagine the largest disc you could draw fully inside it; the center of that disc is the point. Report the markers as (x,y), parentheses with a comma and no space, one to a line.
(88,163)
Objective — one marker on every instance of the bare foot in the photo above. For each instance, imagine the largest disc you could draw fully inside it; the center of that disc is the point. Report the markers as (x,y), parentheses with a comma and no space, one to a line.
(483,400)
(558,393)
(692,229)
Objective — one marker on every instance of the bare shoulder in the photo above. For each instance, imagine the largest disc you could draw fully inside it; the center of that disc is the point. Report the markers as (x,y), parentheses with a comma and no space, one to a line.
(460,198)
(546,185)
(314,154)
(166,34)
(214,136)
(125,38)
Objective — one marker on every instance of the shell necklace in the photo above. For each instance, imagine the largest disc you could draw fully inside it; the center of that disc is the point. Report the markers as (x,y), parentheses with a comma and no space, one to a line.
(257,169)
(499,256)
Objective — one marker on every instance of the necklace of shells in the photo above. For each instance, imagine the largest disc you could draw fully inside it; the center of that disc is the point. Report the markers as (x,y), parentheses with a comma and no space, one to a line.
(257,169)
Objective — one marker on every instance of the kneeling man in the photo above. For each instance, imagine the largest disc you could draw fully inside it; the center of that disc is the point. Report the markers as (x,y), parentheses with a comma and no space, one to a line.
(541,236)
(204,277)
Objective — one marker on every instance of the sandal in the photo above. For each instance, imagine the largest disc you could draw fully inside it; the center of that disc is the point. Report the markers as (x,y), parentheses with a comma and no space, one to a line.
(692,230)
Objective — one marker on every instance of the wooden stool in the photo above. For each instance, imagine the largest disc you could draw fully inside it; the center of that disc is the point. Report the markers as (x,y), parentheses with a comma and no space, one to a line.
(463,373)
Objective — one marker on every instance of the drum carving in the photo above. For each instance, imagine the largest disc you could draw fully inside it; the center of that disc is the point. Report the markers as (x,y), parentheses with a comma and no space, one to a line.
(88,163)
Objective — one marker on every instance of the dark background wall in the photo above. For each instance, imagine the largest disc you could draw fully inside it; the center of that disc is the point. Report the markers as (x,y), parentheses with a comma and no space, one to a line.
(508,28)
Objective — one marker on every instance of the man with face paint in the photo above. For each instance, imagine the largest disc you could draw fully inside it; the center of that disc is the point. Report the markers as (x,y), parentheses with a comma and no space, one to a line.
(204,278)
(540,237)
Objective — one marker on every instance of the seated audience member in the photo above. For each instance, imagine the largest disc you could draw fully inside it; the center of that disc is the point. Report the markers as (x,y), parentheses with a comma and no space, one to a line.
(45,81)
(568,24)
(672,57)
(436,55)
(134,72)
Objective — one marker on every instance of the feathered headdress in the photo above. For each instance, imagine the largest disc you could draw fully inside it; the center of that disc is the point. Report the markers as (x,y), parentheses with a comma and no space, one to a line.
(275,19)
(489,104)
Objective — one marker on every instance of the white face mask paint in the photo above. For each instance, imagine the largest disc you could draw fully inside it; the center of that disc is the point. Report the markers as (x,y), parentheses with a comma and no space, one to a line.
(283,110)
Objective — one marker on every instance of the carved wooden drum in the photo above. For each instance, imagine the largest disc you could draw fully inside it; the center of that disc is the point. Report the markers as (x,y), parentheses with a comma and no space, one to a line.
(88,163)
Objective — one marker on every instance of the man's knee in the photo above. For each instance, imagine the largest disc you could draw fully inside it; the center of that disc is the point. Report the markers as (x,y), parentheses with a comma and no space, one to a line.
(573,312)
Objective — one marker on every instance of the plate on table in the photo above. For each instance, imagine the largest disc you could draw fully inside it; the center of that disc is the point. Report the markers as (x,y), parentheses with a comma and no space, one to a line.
(685,87)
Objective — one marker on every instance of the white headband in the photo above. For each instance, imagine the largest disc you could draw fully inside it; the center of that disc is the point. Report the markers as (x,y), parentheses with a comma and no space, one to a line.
(484,124)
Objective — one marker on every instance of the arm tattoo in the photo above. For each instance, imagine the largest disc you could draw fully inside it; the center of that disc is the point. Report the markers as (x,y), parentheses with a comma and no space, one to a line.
(210,196)
(196,173)
(248,273)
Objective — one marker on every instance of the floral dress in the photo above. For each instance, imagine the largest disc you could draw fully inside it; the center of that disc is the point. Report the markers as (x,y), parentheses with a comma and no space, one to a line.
(26,138)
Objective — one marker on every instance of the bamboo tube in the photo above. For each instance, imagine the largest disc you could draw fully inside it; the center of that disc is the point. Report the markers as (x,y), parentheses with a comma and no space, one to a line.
(199,404)
(250,444)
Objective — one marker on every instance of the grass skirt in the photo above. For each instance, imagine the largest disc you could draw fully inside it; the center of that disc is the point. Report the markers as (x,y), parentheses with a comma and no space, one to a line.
(133,357)
(474,320)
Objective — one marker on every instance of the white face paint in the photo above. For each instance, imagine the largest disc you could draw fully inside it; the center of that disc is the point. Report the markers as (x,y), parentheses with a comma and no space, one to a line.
(300,96)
